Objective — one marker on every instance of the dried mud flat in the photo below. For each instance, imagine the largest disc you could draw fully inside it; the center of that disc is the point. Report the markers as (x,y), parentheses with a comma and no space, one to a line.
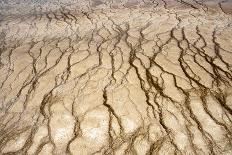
(116,77)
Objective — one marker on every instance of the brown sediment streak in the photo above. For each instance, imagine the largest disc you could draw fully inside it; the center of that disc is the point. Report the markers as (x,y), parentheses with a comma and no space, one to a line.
(118,77)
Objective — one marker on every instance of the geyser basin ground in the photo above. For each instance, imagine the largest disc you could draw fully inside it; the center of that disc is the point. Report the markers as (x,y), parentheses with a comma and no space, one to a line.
(116,77)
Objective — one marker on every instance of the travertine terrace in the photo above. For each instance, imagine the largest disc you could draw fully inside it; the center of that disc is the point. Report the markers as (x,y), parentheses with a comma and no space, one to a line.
(116,77)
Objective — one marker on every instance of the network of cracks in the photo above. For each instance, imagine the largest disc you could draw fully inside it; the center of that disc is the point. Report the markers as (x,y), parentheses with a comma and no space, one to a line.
(148,77)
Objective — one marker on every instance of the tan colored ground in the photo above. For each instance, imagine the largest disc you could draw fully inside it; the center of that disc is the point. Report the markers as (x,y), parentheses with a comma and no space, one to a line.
(115,78)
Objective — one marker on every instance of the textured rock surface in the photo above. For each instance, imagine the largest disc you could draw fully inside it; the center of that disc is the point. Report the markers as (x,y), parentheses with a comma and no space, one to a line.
(116,77)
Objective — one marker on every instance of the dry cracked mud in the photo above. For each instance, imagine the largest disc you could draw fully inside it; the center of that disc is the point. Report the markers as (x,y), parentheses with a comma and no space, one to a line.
(115,77)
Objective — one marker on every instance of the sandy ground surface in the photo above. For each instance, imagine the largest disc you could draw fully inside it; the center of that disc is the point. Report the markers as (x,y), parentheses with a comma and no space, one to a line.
(116,77)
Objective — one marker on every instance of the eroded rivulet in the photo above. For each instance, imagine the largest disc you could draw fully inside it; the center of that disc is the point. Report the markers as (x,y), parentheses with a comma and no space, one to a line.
(116,77)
